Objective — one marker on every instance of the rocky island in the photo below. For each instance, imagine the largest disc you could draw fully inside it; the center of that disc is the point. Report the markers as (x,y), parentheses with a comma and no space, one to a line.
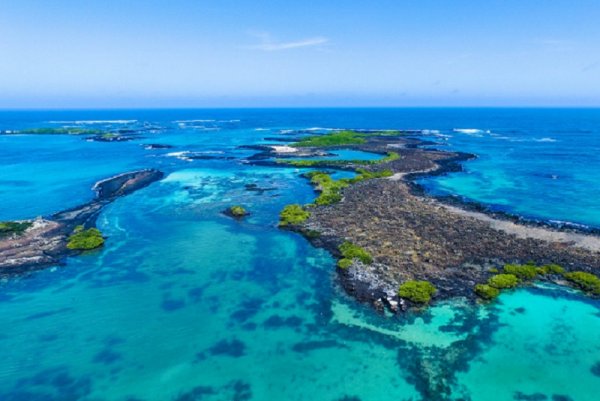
(399,247)
(34,244)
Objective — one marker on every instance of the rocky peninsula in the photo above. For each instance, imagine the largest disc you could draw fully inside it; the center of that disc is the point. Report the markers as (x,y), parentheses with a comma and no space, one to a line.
(389,233)
(34,244)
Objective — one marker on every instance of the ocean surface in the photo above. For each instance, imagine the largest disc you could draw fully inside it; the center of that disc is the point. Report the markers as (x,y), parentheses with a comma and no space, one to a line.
(184,303)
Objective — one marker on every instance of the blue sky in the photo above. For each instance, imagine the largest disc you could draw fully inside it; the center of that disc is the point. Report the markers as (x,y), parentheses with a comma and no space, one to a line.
(222,53)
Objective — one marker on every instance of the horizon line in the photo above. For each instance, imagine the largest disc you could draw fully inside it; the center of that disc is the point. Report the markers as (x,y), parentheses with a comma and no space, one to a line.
(101,108)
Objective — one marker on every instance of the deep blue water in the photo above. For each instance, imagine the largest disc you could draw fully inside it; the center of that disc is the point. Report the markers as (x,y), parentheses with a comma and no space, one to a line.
(184,303)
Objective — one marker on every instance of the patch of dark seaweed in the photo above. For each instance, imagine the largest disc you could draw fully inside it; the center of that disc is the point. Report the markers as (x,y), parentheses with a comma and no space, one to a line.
(106,357)
(595,369)
(248,309)
(234,348)
(196,394)
(171,304)
(277,321)
(54,384)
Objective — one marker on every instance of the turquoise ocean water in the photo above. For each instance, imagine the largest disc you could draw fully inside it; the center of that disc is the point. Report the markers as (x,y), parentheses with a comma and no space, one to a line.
(184,303)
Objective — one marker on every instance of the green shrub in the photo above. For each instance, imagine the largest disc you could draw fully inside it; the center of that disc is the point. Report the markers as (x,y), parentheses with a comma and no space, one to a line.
(344,263)
(486,291)
(238,211)
(502,281)
(332,139)
(494,270)
(83,239)
(8,228)
(523,272)
(553,268)
(588,282)
(351,251)
(391,156)
(328,198)
(368,175)
(417,291)
(330,189)
(292,215)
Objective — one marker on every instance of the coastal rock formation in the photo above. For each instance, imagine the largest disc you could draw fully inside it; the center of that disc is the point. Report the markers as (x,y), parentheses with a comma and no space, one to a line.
(44,243)
(415,237)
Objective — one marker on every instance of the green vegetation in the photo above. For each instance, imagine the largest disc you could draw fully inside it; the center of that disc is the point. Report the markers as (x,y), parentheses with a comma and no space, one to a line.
(237,211)
(486,291)
(336,138)
(330,189)
(417,291)
(83,239)
(523,272)
(552,269)
(513,274)
(391,156)
(8,228)
(368,175)
(62,131)
(292,215)
(351,251)
(502,281)
(344,263)
(588,282)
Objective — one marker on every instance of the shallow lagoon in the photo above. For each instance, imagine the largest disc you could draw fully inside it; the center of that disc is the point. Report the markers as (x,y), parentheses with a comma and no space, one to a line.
(184,303)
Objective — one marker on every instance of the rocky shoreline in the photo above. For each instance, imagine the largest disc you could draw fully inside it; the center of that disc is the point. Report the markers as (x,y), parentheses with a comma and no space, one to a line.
(412,236)
(44,242)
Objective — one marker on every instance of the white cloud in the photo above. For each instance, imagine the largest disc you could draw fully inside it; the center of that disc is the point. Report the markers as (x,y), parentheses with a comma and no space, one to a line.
(267,43)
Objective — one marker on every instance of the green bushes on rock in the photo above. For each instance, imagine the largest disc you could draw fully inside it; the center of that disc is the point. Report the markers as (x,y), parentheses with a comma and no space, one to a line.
(496,283)
(523,272)
(330,189)
(292,215)
(368,175)
(351,251)
(8,228)
(333,139)
(391,156)
(502,281)
(344,263)
(237,211)
(552,269)
(83,239)
(417,291)
(588,282)
(486,291)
